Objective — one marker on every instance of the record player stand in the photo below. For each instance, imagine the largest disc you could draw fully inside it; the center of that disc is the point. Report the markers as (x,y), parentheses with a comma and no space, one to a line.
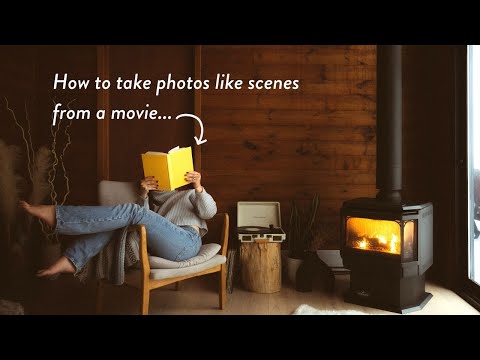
(261,266)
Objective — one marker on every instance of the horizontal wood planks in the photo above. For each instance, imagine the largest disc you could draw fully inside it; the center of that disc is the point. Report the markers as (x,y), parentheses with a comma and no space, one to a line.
(281,144)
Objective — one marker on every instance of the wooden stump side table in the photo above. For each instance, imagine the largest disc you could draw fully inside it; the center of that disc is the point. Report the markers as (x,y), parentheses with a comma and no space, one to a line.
(261,266)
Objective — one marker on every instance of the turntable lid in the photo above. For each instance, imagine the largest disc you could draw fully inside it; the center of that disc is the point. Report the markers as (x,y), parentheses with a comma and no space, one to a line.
(258,213)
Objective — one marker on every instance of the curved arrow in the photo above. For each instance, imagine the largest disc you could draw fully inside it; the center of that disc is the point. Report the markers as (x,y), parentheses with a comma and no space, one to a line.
(200,140)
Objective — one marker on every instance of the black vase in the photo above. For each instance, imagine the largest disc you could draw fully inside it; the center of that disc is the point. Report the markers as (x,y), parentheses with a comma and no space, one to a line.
(313,268)
(305,273)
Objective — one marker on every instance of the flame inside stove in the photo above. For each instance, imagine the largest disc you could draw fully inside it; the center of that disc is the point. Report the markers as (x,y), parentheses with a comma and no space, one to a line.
(374,235)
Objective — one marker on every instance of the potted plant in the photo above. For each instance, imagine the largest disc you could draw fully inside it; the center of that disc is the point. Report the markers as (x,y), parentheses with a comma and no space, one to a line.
(300,235)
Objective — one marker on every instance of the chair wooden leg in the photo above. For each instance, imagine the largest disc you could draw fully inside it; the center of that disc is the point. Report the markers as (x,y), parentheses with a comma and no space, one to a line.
(177,286)
(222,287)
(99,303)
(145,300)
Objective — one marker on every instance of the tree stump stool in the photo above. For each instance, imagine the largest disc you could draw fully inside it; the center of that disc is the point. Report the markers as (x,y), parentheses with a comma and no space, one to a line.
(261,266)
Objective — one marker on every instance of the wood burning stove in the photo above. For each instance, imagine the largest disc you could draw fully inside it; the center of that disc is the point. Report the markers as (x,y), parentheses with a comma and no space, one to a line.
(387,243)
(388,247)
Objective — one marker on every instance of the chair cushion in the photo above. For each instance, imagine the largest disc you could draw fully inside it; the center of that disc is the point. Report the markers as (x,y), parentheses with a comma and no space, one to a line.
(159,274)
(117,192)
(206,252)
(132,277)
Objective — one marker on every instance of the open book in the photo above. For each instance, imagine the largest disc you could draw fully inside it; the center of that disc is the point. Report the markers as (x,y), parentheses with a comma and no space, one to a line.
(168,168)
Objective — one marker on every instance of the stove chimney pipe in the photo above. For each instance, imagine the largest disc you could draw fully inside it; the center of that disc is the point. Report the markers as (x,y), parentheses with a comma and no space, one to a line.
(389,122)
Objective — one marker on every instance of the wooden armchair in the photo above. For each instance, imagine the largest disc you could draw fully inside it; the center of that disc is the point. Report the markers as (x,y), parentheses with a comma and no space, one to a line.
(146,278)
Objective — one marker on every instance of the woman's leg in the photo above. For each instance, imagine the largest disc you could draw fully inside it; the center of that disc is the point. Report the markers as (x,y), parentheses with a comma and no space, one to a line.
(79,220)
(164,238)
(172,242)
(62,265)
(78,254)
(86,247)
(46,213)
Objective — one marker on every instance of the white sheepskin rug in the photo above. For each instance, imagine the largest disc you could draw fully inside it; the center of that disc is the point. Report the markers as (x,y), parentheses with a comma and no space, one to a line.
(305,309)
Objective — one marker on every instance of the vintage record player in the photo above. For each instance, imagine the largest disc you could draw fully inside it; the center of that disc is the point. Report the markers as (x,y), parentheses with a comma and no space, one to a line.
(259,220)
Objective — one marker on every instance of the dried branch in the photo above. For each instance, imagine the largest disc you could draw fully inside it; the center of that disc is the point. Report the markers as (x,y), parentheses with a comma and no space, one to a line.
(58,161)
(52,174)
(67,144)
(40,185)
(27,146)
(30,137)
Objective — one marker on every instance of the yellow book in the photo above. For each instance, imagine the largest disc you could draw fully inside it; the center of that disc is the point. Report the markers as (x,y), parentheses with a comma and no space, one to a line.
(168,168)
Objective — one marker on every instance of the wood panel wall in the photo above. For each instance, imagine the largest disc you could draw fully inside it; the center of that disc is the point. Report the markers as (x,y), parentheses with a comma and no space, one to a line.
(280,145)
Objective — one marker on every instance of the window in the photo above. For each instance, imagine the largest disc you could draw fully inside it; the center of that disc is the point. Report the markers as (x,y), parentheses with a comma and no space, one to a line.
(467,171)
(473,161)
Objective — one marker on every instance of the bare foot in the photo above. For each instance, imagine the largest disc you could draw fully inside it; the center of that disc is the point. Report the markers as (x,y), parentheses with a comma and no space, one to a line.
(46,213)
(62,265)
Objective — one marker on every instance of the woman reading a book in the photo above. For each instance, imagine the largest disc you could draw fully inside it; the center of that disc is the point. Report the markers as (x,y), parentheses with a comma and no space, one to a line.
(174,230)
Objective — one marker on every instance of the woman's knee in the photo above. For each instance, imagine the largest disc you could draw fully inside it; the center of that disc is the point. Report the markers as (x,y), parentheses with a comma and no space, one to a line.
(137,211)
(134,208)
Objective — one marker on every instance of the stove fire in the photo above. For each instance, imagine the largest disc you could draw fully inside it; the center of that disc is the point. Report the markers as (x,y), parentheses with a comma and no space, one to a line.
(373,235)
(382,236)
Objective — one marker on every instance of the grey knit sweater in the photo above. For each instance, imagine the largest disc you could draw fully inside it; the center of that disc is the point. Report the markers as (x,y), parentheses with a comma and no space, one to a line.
(185,207)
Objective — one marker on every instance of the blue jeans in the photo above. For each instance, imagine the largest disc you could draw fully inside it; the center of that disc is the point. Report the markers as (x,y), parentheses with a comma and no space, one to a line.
(97,224)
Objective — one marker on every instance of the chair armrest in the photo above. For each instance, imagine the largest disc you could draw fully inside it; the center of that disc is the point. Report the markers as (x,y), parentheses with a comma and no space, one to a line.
(224,234)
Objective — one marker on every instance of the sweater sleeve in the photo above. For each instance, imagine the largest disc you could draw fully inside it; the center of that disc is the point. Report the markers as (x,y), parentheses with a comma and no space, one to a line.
(143,202)
(204,205)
